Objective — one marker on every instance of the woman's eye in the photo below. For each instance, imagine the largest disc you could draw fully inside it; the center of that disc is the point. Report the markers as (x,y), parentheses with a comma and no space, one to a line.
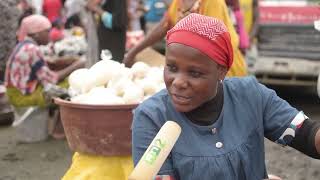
(172,68)
(195,74)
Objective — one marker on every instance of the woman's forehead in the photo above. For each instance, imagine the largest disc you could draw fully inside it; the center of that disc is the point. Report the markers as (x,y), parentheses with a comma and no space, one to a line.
(187,54)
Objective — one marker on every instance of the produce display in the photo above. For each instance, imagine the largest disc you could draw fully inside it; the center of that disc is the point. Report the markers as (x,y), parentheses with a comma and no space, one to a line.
(111,83)
(69,46)
(72,46)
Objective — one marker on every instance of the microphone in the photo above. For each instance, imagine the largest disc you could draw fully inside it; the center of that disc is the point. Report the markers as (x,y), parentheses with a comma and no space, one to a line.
(157,152)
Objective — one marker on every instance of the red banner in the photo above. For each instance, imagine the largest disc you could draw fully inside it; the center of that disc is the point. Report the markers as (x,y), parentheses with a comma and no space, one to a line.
(289,15)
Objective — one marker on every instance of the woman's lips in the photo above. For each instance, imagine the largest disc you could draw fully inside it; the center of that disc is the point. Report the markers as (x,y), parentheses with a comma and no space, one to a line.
(181,100)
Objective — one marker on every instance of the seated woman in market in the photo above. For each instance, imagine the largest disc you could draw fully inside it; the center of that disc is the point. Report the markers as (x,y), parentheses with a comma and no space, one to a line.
(223,120)
(27,74)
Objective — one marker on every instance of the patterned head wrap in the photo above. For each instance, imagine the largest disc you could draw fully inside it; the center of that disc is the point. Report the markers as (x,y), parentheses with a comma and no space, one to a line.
(33,24)
(208,35)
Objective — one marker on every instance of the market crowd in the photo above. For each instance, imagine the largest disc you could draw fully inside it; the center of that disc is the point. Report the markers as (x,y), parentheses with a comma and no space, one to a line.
(205,42)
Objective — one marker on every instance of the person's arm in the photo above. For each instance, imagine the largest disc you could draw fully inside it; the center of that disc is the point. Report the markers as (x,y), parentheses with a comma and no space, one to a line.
(167,3)
(62,74)
(307,138)
(111,20)
(93,6)
(255,20)
(287,126)
(155,35)
(105,16)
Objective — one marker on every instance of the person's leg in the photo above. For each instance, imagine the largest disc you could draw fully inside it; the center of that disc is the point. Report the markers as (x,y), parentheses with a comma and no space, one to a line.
(55,126)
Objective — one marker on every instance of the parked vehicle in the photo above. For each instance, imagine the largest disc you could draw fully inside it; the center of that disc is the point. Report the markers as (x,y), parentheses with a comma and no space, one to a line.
(288,43)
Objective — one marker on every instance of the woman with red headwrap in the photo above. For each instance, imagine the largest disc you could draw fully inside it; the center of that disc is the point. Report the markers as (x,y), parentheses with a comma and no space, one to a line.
(181,8)
(223,120)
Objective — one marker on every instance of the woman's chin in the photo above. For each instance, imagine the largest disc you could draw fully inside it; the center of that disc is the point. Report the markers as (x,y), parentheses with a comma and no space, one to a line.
(182,108)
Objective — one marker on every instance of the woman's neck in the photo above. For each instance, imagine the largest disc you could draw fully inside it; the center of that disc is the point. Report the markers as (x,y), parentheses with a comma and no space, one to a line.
(209,112)
(29,38)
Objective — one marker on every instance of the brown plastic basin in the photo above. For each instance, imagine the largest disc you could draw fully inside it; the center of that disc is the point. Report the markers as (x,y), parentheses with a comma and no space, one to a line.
(97,129)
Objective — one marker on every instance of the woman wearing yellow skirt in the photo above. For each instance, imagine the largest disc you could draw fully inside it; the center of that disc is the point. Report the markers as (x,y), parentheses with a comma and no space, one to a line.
(27,74)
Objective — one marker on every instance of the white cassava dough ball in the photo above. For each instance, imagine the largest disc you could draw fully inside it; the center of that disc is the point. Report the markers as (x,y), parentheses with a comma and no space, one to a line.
(140,70)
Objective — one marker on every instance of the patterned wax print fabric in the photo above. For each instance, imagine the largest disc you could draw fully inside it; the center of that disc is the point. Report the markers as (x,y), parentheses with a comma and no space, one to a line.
(26,68)
(232,148)
(194,31)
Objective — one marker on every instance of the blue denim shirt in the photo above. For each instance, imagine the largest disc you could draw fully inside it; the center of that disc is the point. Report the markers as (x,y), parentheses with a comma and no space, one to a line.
(230,149)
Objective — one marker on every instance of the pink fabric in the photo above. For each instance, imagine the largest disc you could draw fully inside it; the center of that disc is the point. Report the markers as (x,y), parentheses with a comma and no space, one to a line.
(26,68)
(56,34)
(33,24)
(207,34)
(243,35)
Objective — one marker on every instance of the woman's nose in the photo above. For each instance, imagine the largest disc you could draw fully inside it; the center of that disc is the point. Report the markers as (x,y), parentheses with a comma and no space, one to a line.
(180,81)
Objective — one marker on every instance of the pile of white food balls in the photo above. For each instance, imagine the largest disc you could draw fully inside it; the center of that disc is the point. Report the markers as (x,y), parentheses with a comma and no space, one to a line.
(110,83)
(72,45)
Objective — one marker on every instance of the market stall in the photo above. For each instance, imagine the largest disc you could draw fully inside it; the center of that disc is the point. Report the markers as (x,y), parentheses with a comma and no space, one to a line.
(64,52)
(97,118)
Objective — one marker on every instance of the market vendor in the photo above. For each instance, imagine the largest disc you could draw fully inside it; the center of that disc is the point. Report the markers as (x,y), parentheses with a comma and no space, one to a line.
(181,8)
(224,120)
(27,74)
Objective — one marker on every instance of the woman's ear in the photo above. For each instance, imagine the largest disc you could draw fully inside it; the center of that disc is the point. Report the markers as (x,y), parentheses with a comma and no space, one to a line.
(222,72)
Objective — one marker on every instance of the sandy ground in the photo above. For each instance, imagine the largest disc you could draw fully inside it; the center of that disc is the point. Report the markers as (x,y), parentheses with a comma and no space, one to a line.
(50,160)
(41,161)
(286,162)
